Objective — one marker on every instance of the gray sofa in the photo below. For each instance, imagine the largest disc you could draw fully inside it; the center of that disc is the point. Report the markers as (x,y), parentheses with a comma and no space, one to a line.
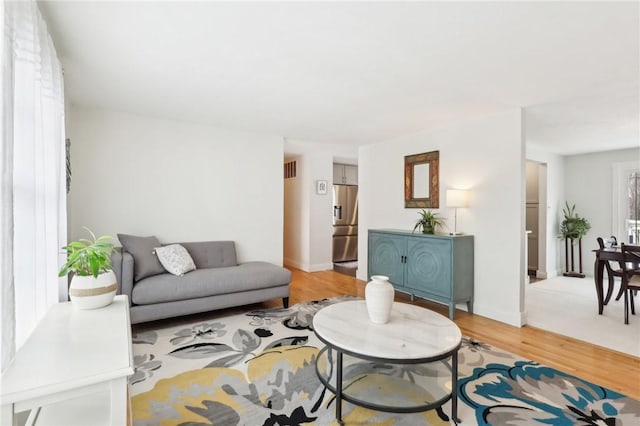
(217,282)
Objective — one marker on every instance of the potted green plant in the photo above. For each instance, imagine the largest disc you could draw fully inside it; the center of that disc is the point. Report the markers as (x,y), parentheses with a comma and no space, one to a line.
(428,221)
(573,226)
(93,283)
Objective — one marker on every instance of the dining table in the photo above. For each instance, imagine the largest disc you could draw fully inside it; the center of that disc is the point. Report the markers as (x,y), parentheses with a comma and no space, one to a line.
(604,255)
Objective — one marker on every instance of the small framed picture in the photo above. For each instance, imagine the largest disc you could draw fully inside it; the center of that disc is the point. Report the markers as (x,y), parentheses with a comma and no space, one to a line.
(321,187)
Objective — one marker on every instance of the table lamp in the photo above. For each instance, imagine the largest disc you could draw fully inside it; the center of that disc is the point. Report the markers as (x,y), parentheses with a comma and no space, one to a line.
(457,198)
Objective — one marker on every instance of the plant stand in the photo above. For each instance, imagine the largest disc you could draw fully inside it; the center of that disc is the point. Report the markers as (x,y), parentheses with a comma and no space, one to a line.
(568,241)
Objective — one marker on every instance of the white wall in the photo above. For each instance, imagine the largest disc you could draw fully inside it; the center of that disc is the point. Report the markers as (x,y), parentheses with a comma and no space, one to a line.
(308,247)
(484,155)
(589,185)
(177,181)
(555,201)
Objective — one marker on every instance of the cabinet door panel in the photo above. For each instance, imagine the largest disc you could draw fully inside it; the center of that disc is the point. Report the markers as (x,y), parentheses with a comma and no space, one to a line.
(338,174)
(429,266)
(351,175)
(385,257)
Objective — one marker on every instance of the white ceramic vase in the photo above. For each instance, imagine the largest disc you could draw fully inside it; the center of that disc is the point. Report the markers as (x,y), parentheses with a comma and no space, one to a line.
(379,298)
(87,292)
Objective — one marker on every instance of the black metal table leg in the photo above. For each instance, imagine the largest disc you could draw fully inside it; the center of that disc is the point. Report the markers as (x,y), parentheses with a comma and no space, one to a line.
(330,365)
(339,389)
(454,388)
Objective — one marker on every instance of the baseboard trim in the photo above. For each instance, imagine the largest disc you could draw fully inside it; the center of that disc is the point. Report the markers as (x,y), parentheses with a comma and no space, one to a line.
(320,267)
(295,264)
(307,267)
(517,319)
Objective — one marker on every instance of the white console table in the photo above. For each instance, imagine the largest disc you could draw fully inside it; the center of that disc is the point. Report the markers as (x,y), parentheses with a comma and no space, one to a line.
(72,369)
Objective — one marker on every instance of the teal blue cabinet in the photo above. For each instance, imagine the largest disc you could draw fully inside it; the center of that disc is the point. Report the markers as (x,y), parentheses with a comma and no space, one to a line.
(434,267)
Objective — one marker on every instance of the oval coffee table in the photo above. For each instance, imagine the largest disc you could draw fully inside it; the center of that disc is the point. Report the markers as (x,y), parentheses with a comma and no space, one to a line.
(409,364)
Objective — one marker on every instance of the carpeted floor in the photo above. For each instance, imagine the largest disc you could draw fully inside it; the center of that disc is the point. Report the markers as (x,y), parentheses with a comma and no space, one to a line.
(258,368)
(569,306)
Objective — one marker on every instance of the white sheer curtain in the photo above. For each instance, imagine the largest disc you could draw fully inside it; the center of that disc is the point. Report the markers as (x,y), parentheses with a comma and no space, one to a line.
(33,212)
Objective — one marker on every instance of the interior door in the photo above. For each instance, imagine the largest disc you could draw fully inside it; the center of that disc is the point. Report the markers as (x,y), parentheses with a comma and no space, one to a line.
(535,198)
(532,238)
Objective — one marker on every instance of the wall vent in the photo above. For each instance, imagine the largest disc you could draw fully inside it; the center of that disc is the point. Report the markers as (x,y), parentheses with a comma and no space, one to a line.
(290,170)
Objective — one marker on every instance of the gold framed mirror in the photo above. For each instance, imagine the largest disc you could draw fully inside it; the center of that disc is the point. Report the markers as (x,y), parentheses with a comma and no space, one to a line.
(421,180)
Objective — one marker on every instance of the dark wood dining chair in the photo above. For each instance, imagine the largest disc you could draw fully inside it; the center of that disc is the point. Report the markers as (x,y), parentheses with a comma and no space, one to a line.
(611,274)
(630,265)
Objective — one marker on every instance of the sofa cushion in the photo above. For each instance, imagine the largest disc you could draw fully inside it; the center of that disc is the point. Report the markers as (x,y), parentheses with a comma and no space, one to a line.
(212,254)
(209,282)
(145,262)
(175,259)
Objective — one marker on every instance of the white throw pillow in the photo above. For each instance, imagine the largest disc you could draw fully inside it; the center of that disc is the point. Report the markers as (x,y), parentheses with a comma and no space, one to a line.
(175,259)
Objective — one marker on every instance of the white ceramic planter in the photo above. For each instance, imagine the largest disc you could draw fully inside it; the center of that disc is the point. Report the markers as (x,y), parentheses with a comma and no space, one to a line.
(379,298)
(87,292)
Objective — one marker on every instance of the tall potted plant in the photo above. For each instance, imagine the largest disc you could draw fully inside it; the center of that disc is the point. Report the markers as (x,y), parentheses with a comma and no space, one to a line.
(573,227)
(428,221)
(93,283)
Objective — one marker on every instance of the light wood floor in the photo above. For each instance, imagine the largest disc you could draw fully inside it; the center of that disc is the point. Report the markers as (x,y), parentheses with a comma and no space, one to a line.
(611,369)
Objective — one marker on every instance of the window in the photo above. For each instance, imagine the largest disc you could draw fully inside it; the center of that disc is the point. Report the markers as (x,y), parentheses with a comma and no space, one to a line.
(626,202)
(633,208)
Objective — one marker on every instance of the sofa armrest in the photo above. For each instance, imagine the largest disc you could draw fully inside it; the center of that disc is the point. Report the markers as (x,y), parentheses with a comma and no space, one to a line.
(122,264)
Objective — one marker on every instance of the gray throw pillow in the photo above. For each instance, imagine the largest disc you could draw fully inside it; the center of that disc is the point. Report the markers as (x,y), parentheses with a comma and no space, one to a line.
(145,262)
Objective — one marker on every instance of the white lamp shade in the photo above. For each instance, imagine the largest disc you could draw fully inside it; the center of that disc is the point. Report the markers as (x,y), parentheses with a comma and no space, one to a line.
(457,198)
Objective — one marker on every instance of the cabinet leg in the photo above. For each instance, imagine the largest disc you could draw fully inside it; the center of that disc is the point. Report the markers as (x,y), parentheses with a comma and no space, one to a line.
(119,401)
(452,310)
(413,297)
(470,306)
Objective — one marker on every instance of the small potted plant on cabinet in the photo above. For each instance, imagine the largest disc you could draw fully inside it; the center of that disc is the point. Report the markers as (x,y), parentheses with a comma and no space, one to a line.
(93,284)
(428,221)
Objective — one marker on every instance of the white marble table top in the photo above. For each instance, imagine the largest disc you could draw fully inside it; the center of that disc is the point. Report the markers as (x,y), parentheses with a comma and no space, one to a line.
(411,333)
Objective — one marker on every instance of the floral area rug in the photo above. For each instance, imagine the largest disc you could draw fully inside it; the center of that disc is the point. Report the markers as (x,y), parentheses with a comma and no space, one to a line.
(258,368)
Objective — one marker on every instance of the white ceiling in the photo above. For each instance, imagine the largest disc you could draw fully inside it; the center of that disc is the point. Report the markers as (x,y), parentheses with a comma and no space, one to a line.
(360,72)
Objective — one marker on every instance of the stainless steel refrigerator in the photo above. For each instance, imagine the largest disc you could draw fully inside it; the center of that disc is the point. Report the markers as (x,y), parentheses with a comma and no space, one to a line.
(345,223)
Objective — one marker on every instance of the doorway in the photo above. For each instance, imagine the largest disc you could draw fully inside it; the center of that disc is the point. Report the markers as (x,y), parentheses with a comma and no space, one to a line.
(536,220)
